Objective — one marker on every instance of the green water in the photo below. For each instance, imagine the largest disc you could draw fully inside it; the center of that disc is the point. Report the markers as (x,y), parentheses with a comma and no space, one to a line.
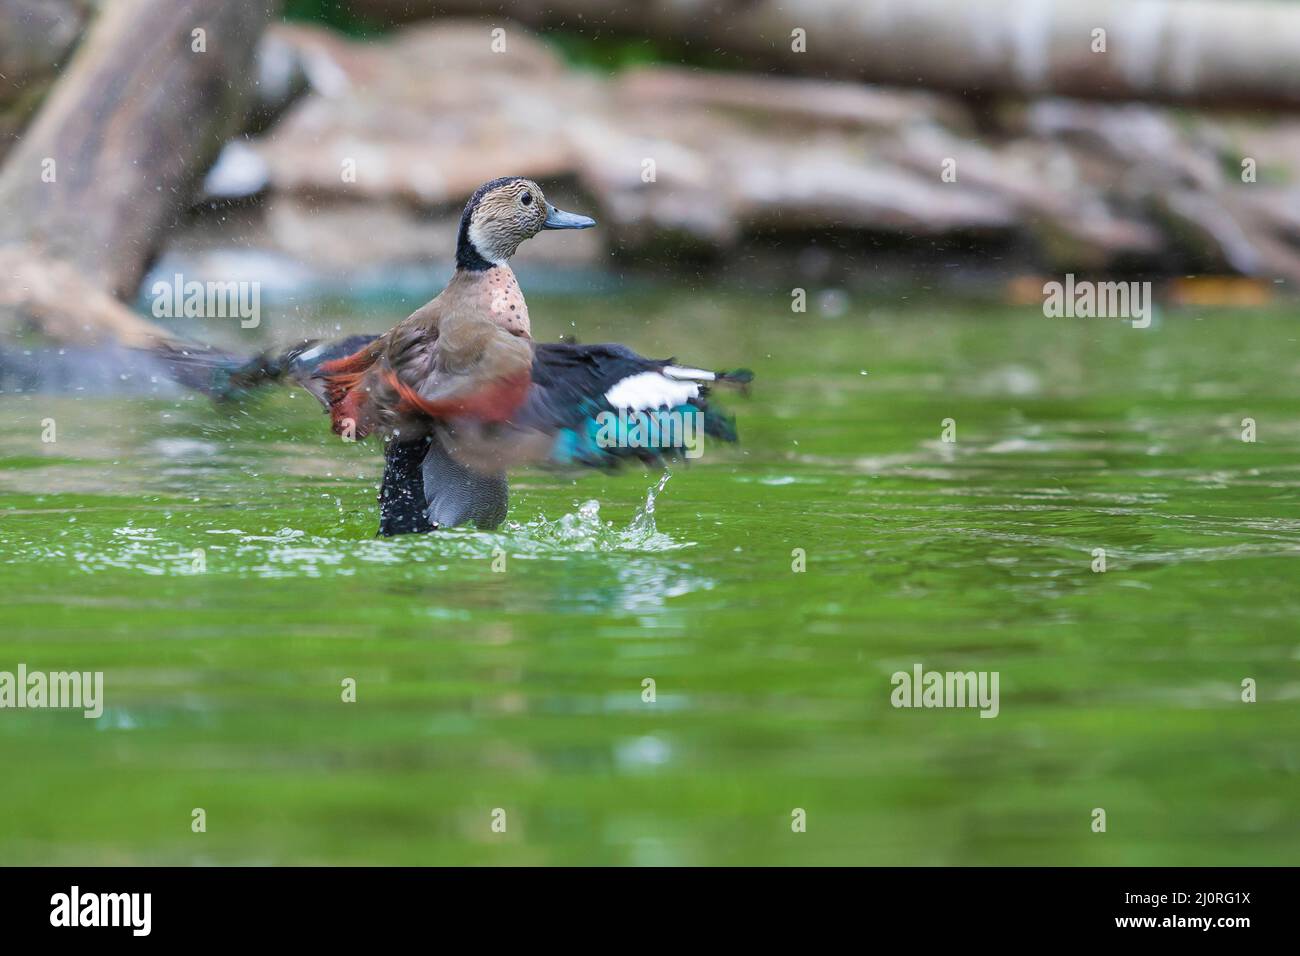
(522,689)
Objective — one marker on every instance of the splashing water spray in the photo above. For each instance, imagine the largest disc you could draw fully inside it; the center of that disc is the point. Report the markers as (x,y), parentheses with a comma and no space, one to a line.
(643,522)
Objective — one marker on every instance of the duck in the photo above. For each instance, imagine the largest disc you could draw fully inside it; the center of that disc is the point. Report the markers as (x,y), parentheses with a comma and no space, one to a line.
(462,394)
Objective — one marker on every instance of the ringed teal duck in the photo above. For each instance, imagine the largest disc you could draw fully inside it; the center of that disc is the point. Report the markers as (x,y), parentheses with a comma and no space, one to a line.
(461,393)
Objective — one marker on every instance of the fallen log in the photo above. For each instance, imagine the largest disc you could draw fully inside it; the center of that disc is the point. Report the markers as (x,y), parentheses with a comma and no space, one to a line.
(36,38)
(112,159)
(56,298)
(1183,51)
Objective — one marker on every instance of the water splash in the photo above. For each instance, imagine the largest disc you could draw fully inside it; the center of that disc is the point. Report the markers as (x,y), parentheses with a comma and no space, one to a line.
(289,552)
(584,530)
(643,522)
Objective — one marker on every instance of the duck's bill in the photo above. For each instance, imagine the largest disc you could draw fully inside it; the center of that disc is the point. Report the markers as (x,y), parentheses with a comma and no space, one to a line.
(559,219)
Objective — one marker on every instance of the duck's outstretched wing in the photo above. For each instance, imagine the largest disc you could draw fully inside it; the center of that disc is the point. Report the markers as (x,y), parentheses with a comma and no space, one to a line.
(227,377)
(593,405)
(599,405)
(605,404)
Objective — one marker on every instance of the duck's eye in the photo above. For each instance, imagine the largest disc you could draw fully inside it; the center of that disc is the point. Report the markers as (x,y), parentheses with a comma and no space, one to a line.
(526,199)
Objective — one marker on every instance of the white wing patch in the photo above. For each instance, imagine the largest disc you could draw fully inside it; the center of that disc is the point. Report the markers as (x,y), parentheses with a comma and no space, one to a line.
(689,374)
(651,390)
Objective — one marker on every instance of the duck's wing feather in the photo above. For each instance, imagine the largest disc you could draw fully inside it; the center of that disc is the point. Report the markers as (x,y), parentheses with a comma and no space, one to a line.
(468,368)
(606,404)
(571,386)
(225,376)
(475,369)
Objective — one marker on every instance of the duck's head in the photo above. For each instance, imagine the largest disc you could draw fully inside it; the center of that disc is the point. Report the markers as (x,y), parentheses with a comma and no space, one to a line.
(502,214)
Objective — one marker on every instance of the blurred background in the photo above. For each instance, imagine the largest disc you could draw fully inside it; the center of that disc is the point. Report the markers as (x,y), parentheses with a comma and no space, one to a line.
(859,199)
(326,146)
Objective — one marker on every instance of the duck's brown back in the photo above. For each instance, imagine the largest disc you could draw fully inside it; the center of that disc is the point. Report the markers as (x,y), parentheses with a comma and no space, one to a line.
(465,353)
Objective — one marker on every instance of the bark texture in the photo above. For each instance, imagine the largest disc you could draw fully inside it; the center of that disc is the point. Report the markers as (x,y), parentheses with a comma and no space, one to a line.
(1188,51)
(111,161)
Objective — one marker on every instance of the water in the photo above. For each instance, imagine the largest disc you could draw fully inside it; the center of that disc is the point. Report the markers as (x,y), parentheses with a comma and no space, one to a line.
(219,567)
